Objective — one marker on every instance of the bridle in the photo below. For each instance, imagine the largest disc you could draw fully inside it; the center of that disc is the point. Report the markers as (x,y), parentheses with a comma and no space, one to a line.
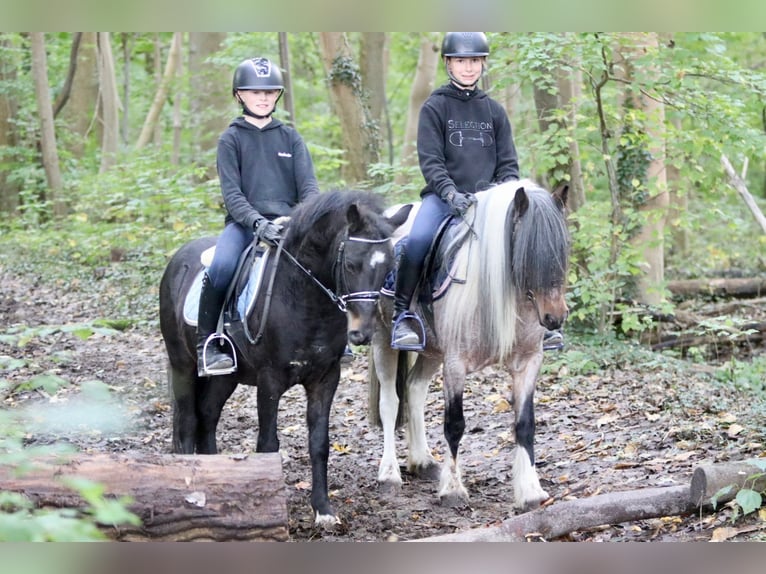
(341,296)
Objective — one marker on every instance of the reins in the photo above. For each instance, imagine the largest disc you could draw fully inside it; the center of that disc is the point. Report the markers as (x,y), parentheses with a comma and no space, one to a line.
(340,300)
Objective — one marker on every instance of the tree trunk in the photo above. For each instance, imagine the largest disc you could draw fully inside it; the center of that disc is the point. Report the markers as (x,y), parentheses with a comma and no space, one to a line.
(724,480)
(360,139)
(9,191)
(161,95)
(569,94)
(373,64)
(177,498)
(127,48)
(79,110)
(650,239)
(422,86)
(719,287)
(679,202)
(558,519)
(48,146)
(110,103)
(210,101)
(284,62)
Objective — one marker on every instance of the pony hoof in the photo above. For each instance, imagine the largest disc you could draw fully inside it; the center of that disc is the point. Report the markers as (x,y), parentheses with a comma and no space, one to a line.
(532,504)
(389,487)
(326,521)
(453,499)
(430,472)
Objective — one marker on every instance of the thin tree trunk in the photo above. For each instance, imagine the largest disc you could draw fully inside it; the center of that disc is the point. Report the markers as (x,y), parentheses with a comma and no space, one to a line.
(373,65)
(210,100)
(739,184)
(127,47)
(651,237)
(360,141)
(48,146)
(284,63)
(9,191)
(156,136)
(569,96)
(177,116)
(422,86)
(160,96)
(110,104)
(79,108)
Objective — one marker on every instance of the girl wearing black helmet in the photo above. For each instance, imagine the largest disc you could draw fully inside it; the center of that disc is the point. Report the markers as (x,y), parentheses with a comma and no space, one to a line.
(465,144)
(265,169)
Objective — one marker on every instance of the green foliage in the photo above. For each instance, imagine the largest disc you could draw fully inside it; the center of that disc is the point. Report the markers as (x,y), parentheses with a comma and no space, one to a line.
(747,499)
(744,375)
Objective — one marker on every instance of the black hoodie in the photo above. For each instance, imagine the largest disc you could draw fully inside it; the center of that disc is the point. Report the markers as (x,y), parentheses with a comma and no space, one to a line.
(465,140)
(267,171)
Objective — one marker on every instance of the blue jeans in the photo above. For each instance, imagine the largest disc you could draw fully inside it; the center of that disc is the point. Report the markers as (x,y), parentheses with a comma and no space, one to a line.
(231,243)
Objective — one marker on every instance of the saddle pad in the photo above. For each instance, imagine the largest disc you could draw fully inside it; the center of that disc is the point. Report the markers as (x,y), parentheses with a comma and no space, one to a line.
(439,281)
(245,300)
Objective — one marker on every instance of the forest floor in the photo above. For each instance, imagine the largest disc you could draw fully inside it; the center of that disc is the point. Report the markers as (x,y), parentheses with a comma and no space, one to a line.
(629,425)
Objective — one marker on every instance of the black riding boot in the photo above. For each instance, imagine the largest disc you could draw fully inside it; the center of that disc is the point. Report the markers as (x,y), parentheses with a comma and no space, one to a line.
(407,331)
(213,360)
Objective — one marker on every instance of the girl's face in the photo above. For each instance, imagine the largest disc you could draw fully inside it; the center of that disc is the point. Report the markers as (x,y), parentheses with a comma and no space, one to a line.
(466,70)
(260,102)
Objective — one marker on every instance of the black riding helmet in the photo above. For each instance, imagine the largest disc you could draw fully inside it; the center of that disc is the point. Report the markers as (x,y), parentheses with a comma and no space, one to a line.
(257,74)
(463,45)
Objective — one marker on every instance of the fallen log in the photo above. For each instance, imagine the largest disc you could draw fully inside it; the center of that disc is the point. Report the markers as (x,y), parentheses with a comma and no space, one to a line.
(749,333)
(558,519)
(177,497)
(724,480)
(719,286)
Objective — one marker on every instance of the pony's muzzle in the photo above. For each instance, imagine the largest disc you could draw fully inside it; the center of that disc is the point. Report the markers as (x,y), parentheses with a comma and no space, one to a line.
(358,337)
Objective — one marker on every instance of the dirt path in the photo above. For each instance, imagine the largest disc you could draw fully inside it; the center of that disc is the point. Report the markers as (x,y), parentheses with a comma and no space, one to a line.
(629,426)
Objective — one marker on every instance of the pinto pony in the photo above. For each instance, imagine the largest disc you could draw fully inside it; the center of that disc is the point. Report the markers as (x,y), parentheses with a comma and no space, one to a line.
(508,286)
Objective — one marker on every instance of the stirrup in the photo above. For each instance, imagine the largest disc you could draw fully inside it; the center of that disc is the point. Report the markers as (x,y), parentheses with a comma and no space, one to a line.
(421,344)
(205,372)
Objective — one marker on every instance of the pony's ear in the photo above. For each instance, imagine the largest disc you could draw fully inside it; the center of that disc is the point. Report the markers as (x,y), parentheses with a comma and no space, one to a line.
(400,216)
(354,218)
(520,203)
(561,195)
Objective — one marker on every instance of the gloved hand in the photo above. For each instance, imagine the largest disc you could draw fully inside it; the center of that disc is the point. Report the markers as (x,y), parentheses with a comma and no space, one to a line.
(458,201)
(268,231)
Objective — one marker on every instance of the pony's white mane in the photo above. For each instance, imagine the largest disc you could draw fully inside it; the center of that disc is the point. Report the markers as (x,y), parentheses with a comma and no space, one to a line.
(482,311)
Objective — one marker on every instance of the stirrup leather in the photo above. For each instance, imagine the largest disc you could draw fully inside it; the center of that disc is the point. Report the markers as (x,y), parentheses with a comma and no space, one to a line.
(216,372)
(420,331)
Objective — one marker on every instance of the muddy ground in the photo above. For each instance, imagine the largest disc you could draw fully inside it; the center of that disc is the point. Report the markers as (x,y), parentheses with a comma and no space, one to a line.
(628,426)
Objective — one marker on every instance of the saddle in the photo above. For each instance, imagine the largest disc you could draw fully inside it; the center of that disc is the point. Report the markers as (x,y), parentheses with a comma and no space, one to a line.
(240,298)
(439,269)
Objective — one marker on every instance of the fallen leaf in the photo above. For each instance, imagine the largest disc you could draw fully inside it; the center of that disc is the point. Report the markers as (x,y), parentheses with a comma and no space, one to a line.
(501,406)
(722,534)
(606,419)
(303,485)
(734,430)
